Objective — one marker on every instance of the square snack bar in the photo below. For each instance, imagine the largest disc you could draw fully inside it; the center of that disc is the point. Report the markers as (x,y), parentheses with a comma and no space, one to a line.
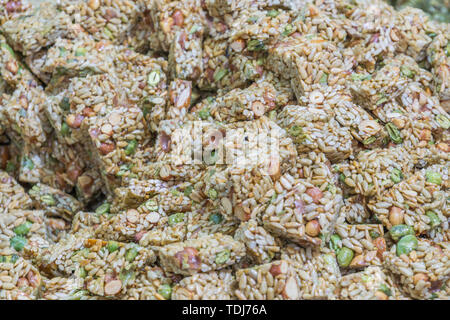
(56,165)
(106,268)
(113,140)
(243,104)
(418,202)
(294,59)
(76,57)
(121,263)
(370,41)
(438,56)
(169,17)
(49,23)
(338,104)
(271,281)
(381,88)
(215,285)
(374,171)
(12,69)
(21,280)
(417,101)
(143,79)
(316,269)
(207,253)
(417,32)
(24,114)
(255,160)
(235,61)
(80,98)
(98,95)
(420,270)
(225,68)
(203,220)
(54,201)
(171,197)
(103,19)
(145,223)
(303,210)
(423,124)
(185,54)
(313,129)
(260,245)
(370,284)
(23,231)
(12,194)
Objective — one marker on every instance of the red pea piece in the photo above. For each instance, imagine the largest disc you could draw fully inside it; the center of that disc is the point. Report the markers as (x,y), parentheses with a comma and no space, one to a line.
(315,193)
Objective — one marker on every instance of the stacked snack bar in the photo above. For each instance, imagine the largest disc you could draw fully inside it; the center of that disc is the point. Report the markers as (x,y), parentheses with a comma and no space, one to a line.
(223,149)
(358,246)
(243,104)
(105,268)
(25,117)
(260,245)
(60,288)
(54,201)
(374,171)
(13,71)
(49,23)
(418,202)
(314,130)
(294,58)
(24,231)
(108,20)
